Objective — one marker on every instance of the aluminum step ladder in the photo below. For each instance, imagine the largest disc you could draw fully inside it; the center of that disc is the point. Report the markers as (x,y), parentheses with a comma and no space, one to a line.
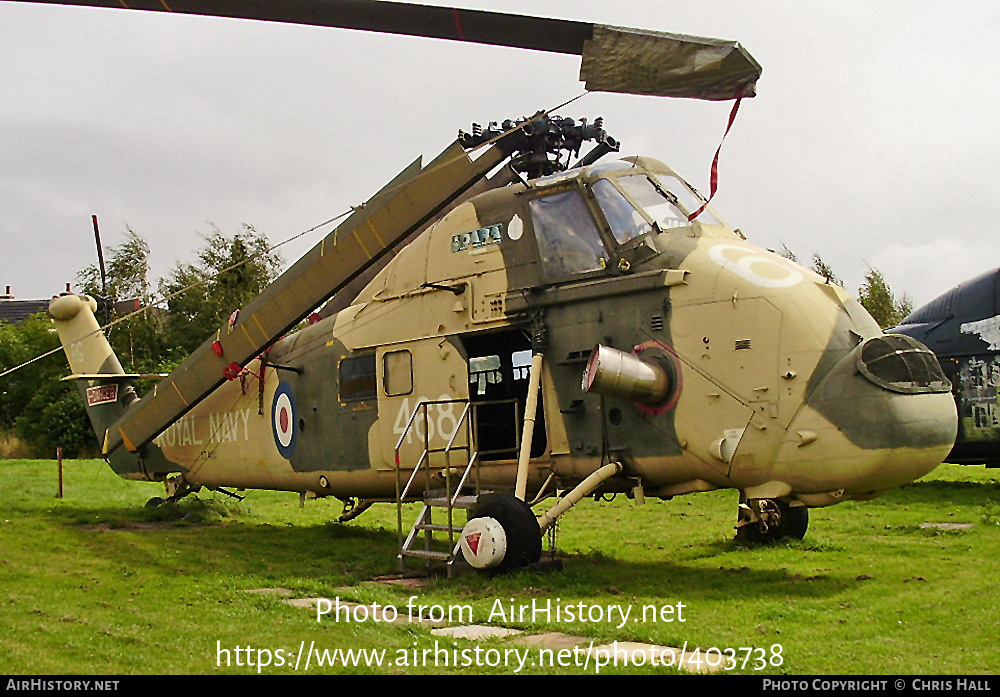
(421,542)
(457,468)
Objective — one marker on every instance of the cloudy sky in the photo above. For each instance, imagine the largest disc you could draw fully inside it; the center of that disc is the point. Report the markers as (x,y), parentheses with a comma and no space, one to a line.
(873,140)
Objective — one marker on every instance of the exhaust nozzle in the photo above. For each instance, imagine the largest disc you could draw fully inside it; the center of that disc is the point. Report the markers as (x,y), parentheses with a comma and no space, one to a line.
(614,373)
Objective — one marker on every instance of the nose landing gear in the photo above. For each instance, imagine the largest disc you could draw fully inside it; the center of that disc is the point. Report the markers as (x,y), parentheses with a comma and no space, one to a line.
(763,521)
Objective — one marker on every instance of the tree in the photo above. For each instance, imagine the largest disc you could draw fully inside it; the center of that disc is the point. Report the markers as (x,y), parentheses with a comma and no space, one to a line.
(44,411)
(875,294)
(230,272)
(787,253)
(825,270)
(138,340)
(818,265)
(877,297)
(47,412)
(127,270)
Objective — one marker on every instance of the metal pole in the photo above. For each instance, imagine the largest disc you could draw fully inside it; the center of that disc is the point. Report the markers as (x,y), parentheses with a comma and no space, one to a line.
(530,407)
(59,460)
(105,300)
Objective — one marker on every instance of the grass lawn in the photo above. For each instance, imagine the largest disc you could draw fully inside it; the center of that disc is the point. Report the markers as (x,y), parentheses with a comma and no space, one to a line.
(95,584)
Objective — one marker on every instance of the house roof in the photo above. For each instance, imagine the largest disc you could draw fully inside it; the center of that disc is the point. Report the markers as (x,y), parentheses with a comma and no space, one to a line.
(16,311)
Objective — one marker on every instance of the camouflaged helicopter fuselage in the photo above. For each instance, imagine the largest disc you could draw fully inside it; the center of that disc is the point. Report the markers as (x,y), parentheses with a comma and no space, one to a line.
(767,395)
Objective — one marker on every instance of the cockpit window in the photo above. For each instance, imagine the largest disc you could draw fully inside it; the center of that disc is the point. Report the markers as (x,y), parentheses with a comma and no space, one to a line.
(661,207)
(625,221)
(687,198)
(900,363)
(568,240)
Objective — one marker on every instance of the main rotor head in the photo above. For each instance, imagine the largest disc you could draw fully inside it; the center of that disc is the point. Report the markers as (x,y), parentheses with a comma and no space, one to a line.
(545,144)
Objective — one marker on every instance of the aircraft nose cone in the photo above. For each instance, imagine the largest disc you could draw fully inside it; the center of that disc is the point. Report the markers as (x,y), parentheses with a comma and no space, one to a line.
(880,426)
(916,433)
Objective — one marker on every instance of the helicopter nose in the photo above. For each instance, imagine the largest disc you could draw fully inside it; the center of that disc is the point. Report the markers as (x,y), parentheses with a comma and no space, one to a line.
(882,417)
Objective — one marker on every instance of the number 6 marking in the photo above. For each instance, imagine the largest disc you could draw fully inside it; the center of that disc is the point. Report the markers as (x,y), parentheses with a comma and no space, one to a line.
(76,348)
(779,273)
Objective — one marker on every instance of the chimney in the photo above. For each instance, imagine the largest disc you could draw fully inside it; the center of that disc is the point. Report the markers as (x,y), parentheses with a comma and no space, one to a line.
(7,295)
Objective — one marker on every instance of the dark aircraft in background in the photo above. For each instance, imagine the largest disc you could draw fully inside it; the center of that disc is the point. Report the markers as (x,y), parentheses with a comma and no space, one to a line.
(962,327)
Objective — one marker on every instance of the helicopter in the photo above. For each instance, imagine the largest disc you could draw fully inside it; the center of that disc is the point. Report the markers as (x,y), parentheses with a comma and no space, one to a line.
(528,325)
(960,326)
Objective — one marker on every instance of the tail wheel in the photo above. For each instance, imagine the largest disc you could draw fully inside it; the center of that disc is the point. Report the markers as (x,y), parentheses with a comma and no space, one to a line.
(763,521)
(502,534)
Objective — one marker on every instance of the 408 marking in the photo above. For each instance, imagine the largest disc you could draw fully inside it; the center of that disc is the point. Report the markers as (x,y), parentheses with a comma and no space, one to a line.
(441,420)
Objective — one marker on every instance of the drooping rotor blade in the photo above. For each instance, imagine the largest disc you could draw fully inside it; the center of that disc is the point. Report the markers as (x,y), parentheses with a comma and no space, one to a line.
(614,59)
(415,196)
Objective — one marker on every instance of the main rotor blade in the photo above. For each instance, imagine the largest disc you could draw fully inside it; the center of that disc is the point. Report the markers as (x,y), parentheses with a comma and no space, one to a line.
(415,196)
(615,59)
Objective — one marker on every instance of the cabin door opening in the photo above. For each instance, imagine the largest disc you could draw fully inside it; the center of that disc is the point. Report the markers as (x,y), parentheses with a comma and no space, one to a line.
(499,367)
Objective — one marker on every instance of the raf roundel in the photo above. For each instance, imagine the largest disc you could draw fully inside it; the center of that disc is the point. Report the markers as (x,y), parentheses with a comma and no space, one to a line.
(283,420)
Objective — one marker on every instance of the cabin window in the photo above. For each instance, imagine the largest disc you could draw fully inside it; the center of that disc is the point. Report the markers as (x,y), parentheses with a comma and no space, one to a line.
(625,221)
(486,370)
(483,371)
(568,240)
(357,378)
(397,373)
(521,361)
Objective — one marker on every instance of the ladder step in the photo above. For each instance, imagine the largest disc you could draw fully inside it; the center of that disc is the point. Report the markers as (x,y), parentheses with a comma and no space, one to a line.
(436,527)
(425,554)
(467,502)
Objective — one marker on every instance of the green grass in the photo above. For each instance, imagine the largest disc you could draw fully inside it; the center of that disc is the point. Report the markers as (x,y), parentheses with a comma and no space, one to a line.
(95,583)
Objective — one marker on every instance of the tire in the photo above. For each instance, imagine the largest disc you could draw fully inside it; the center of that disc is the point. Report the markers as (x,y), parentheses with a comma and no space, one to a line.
(524,537)
(784,522)
(154,502)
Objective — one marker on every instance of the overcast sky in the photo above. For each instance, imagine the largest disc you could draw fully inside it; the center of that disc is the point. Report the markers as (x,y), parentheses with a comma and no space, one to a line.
(873,140)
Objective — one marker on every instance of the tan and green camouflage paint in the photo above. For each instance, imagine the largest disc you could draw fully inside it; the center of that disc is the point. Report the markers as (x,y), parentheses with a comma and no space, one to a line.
(769,401)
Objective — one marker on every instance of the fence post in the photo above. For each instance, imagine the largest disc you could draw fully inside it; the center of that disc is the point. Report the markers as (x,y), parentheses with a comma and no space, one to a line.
(59,460)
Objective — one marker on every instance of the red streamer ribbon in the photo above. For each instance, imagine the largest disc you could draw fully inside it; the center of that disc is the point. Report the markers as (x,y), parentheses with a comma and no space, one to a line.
(714,176)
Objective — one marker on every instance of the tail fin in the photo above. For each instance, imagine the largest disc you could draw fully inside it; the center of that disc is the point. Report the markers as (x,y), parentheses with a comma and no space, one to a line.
(104,384)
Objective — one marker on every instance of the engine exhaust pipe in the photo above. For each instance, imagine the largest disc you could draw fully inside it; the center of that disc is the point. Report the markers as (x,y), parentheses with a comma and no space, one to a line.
(614,373)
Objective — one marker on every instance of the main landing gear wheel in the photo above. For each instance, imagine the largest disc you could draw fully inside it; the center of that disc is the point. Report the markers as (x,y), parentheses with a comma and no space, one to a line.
(502,534)
(763,521)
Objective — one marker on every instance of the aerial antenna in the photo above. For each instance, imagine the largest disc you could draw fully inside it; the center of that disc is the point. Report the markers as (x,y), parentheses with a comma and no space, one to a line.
(104,302)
